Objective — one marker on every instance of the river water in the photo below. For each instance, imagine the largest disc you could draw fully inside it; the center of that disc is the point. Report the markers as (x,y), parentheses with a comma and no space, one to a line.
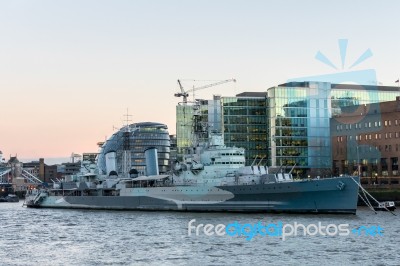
(86,237)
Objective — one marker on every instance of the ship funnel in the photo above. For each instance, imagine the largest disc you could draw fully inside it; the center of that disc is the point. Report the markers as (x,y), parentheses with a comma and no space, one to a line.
(151,161)
(133,173)
(111,162)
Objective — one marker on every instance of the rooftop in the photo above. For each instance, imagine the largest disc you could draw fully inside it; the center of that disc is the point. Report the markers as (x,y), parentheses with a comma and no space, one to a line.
(252,94)
(305,84)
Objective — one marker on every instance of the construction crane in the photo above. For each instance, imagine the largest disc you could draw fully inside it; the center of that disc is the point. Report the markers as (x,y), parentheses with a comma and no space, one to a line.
(185,94)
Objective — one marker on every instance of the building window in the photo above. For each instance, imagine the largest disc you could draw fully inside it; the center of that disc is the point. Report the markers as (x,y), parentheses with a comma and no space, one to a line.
(397,135)
(386,123)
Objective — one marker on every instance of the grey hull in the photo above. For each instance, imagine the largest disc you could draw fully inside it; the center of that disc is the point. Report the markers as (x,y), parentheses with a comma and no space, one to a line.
(333,195)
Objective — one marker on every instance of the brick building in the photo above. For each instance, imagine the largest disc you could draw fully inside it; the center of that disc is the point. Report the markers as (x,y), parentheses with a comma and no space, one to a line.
(367,136)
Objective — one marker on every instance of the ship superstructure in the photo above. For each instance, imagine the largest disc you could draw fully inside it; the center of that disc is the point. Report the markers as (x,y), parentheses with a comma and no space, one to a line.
(211,178)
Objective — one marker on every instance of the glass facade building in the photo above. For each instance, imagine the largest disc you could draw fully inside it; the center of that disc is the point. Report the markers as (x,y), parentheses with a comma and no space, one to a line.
(287,125)
(299,127)
(245,125)
(364,132)
(299,120)
(343,95)
(241,119)
(195,122)
(129,146)
(184,128)
(190,118)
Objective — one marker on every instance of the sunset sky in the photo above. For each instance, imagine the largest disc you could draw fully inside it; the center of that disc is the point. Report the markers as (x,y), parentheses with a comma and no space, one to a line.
(70,69)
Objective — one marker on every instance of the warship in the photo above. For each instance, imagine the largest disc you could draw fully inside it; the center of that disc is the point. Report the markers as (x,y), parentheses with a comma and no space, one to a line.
(213,178)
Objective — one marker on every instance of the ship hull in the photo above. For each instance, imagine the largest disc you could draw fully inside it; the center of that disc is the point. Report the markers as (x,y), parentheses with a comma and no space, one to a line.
(332,195)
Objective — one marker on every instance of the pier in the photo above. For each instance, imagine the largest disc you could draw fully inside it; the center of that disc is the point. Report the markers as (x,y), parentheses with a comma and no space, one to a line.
(383,188)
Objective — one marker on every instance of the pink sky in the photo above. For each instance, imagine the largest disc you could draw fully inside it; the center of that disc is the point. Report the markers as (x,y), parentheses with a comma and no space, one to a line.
(70,69)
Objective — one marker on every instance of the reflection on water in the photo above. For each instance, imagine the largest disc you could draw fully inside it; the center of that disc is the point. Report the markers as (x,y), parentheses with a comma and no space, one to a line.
(83,237)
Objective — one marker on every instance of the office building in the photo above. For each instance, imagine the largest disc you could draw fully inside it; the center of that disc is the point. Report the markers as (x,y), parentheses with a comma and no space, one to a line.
(124,151)
(300,113)
(299,127)
(289,125)
(245,125)
(367,137)
(241,119)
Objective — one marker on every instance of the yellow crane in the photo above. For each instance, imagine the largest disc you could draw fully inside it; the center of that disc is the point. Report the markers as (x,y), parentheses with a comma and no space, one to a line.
(184,94)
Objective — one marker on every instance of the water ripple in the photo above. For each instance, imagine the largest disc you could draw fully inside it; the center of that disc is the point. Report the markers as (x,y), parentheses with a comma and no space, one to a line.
(81,237)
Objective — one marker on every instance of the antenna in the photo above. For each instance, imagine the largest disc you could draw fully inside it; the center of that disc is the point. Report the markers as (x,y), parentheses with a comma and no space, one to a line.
(127,145)
(127,118)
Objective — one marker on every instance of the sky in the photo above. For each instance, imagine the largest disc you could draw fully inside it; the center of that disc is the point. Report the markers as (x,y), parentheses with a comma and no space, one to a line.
(70,70)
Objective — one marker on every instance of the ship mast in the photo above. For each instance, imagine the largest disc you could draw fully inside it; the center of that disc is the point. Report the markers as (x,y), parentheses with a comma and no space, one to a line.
(126,161)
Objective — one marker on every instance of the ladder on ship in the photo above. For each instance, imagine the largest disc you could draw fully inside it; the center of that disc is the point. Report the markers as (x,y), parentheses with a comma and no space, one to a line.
(37,199)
